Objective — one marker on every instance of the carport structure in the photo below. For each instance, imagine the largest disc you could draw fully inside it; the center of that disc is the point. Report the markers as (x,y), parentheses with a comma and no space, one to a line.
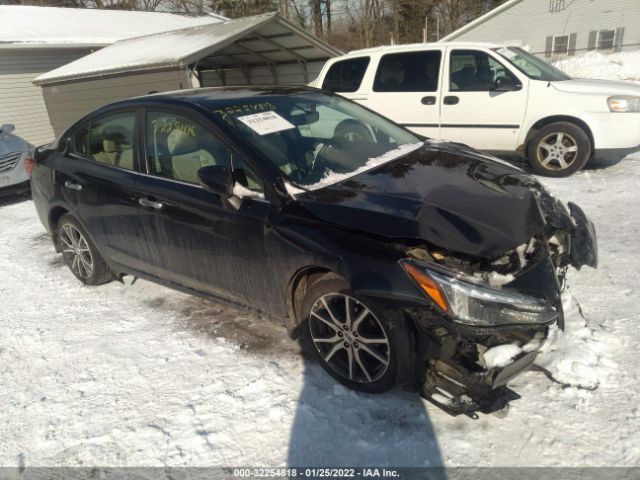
(260,50)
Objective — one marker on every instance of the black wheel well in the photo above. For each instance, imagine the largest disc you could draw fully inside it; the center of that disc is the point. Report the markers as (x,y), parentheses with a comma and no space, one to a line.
(543,122)
(300,282)
(54,217)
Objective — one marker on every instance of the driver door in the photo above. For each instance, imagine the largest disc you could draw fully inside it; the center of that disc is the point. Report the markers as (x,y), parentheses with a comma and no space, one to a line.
(201,243)
(472,112)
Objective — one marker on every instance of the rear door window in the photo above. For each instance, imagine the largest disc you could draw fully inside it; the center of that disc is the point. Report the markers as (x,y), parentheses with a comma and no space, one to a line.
(111,140)
(346,75)
(408,72)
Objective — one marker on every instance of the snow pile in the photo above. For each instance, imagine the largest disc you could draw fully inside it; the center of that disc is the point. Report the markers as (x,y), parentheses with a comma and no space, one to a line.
(501,356)
(332,178)
(581,355)
(624,66)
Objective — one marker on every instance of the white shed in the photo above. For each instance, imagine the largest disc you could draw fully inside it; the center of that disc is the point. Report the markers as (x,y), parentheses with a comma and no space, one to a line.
(35,40)
(261,50)
(558,28)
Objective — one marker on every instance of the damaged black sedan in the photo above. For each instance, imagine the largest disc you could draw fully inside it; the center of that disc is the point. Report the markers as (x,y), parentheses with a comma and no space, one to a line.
(397,260)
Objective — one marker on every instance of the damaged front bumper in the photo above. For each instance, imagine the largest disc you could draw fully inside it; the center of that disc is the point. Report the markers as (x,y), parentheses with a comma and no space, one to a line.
(469,349)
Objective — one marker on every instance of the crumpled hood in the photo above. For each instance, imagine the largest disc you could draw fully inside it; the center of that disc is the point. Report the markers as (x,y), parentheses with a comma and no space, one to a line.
(447,194)
(604,87)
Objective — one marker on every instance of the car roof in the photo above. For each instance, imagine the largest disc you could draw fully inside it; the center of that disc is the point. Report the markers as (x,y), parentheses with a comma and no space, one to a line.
(210,96)
(418,46)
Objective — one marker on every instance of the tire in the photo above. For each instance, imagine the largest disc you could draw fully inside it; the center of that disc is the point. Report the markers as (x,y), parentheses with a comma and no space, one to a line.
(559,150)
(80,253)
(368,373)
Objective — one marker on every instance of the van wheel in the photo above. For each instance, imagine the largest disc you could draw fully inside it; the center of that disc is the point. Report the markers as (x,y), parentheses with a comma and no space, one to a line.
(558,150)
(80,253)
(349,340)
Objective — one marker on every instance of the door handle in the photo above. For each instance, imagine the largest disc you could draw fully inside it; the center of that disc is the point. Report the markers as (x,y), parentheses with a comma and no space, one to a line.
(72,185)
(430,100)
(145,202)
(451,100)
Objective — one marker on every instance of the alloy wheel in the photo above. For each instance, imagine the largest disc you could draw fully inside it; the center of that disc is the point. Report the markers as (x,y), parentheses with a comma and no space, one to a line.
(557,151)
(349,338)
(76,251)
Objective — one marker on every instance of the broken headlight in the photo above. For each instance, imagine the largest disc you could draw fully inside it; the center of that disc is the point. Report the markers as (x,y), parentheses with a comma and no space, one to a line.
(478,305)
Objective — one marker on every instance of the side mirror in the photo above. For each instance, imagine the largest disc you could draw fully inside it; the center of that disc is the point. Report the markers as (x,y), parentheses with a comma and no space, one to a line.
(63,145)
(7,128)
(506,84)
(216,179)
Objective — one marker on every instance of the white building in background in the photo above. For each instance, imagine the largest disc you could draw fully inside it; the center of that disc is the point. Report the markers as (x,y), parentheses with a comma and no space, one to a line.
(558,28)
(35,40)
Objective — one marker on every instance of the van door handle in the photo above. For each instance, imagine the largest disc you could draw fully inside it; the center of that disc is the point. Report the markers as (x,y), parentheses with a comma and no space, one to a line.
(451,100)
(72,185)
(145,202)
(430,100)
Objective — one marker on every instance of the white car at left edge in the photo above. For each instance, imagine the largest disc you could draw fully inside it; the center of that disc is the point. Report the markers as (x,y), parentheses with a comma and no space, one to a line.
(14,153)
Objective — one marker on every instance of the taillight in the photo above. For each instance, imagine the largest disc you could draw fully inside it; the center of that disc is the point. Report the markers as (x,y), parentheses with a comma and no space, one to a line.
(29,164)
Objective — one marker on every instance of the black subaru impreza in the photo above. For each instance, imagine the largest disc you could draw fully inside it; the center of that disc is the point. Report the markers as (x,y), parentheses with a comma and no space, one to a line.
(398,260)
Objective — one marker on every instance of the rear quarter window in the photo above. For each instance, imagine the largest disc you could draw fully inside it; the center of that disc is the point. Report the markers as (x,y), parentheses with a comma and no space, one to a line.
(346,75)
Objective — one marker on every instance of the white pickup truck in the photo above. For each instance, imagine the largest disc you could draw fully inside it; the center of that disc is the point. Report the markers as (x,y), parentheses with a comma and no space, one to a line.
(495,98)
(13,152)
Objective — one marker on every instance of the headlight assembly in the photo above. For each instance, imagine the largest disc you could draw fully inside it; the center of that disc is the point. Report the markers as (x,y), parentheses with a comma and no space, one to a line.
(624,103)
(478,305)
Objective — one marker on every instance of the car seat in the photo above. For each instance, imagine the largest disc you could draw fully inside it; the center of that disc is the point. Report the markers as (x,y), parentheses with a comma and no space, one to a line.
(116,148)
(275,147)
(187,156)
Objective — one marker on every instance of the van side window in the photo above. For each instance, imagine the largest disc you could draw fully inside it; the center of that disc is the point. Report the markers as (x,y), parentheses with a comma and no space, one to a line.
(111,140)
(475,71)
(346,75)
(408,72)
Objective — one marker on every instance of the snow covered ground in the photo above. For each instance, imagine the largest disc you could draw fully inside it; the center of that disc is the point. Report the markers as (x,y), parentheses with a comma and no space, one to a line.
(142,375)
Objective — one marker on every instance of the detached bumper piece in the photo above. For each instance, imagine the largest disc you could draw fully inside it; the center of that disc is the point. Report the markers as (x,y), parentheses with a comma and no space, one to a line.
(458,391)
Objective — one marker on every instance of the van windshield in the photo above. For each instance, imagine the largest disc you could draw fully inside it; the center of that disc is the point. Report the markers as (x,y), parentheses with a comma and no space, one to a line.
(315,139)
(530,65)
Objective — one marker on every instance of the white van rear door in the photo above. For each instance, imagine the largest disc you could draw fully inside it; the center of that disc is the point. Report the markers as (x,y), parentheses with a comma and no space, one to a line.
(473,111)
(406,87)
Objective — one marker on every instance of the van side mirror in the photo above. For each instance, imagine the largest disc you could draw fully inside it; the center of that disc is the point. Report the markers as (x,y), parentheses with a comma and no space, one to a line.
(506,84)
(216,179)
(7,128)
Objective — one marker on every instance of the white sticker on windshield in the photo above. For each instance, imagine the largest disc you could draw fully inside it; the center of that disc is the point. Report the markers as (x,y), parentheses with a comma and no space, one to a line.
(264,123)
(505,52)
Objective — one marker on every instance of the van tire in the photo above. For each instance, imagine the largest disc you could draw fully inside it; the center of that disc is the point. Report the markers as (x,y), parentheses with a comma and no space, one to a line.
(559,149)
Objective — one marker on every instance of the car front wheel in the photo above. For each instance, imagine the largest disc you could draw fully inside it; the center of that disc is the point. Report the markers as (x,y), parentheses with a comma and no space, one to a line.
(80,253)
(559,150)
(347,337)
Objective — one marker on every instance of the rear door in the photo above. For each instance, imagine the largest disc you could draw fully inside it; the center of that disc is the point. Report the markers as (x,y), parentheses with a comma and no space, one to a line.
(407,88)
(97,175)
(472,111)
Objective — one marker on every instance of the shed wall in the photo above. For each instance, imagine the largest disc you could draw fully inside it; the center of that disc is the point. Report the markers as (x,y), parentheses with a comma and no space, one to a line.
(286,74)
(68,102)
(21,102)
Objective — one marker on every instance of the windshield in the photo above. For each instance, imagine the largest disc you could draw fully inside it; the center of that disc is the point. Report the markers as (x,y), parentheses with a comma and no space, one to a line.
(531,66)
(315,139)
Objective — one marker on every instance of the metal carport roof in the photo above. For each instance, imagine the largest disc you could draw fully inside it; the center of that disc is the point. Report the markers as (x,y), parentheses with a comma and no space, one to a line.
(264,40)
